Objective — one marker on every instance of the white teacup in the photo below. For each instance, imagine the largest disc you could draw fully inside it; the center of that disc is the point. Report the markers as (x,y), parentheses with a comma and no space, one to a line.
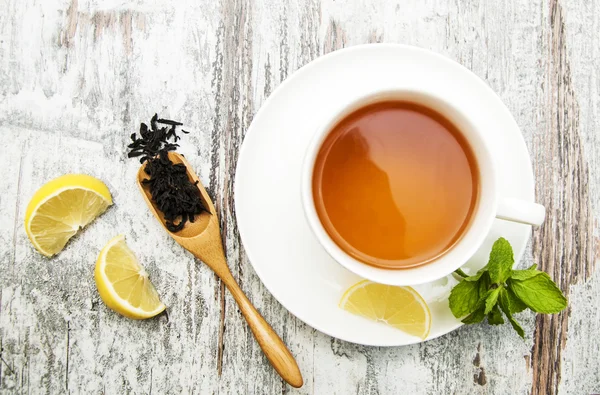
(488,207)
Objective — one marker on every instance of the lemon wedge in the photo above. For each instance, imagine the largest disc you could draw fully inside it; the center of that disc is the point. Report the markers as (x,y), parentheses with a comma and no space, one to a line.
(400,307)
(61,207)
(123,283)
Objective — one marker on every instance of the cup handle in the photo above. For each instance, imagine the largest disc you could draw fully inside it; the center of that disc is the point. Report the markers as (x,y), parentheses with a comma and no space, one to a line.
(520,211)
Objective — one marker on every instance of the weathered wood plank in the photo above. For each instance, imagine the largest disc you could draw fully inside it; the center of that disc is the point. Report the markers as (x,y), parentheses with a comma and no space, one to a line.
(565,247)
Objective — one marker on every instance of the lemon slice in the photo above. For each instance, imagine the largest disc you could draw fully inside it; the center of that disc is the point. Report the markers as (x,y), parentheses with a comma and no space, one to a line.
(61,207)
(399,307)
(123,283)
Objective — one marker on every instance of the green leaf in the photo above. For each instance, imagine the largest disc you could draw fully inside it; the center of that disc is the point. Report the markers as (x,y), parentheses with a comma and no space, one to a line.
(463,298)
(517,327)
(491,299)
(505,306)
(495,316)
(501,261)
(467,296)
(525,274)
(539,293)
(475,317)
(479,311)
(477,275)
(484,284)
(515,304)
(461,273)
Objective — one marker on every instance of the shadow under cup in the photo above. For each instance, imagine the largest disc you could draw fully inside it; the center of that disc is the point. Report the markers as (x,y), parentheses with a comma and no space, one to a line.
(345,165)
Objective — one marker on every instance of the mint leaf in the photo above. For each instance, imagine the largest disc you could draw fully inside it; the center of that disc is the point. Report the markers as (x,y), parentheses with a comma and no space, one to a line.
(477,275)
(515,304)
(491,299)
(501,261)
(463,298)
(484,284)
(505,306)
(480,312)
(525,274)
(475,317)
(539,293)
(517,327)
(468,295)
(496,289)
(495,316)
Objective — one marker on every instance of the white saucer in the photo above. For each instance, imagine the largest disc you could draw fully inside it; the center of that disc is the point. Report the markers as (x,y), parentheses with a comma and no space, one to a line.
(279,243)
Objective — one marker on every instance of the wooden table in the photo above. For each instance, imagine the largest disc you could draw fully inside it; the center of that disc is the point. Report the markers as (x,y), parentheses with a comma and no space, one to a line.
(77,77)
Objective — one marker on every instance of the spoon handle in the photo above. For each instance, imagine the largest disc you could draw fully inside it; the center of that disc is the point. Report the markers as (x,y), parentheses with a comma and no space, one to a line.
(211,253)
(271,344)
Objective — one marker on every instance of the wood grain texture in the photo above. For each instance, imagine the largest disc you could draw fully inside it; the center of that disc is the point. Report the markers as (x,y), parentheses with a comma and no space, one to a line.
(77,77)
(564,247)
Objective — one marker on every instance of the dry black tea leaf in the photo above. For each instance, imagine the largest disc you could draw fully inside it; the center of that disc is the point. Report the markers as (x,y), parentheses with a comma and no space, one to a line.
(174,194)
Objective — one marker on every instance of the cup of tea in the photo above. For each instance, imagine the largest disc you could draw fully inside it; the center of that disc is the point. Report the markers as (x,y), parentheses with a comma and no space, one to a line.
(400,187)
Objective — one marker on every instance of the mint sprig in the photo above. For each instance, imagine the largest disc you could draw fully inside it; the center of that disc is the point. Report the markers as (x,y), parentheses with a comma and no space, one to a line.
(498,289)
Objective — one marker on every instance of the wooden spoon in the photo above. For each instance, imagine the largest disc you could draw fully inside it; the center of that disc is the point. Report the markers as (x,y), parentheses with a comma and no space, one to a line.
(203,239)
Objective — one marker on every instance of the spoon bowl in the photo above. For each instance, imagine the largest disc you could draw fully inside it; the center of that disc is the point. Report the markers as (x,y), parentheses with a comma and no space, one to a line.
(201,222)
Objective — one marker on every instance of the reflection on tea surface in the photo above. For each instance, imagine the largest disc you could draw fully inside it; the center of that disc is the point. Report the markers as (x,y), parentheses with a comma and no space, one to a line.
(394,184)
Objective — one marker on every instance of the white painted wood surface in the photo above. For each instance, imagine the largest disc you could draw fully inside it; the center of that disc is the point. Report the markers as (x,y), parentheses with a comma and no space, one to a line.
(77,77)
